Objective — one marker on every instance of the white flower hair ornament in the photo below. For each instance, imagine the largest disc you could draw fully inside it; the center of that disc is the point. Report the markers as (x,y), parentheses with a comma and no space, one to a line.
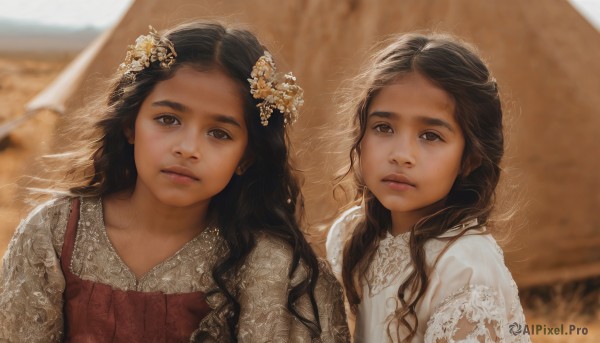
(148,49)
(281,94)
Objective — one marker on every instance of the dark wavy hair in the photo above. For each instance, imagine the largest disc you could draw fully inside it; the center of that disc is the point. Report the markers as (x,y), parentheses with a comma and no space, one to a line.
(266,198)
(456,68)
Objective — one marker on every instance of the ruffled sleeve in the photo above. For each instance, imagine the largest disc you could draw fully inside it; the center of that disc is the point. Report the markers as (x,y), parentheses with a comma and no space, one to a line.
(32,283)
(472,296)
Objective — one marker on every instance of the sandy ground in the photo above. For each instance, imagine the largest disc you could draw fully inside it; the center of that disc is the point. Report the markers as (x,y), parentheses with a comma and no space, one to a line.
(20,80)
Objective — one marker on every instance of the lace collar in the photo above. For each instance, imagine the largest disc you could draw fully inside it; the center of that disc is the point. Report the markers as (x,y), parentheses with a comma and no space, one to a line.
(391,263)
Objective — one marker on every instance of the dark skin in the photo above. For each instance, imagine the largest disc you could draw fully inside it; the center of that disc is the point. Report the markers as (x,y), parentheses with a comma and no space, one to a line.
(140,240)
(189,140)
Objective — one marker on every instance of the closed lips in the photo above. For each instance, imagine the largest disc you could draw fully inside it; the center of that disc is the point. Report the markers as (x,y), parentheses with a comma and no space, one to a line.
(180,171)
(398,179)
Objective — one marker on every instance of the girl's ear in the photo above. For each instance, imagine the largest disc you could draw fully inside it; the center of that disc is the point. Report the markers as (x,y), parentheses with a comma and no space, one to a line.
(129,134)
(470,164)
(244,164)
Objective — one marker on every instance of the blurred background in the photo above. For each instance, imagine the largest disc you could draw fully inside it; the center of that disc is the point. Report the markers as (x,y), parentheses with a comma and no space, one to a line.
(545,54)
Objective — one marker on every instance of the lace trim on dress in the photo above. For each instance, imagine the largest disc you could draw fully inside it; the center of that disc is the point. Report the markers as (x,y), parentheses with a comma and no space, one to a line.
(188,270)
(474,313)
(391,262)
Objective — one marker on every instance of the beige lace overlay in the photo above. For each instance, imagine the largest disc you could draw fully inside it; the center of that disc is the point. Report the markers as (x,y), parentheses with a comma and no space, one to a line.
(32,282)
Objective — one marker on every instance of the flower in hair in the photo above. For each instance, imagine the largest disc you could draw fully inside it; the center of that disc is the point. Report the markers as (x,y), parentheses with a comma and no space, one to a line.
(146,50)
(282,94)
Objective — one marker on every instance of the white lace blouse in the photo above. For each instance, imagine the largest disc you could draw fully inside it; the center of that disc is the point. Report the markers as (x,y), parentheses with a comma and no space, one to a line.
(471,295)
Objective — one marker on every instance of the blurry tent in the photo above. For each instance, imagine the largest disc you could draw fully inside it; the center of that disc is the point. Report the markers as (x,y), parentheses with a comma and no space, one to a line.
(545,55)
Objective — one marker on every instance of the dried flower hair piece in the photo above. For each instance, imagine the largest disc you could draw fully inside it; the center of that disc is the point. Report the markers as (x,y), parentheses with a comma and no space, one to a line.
(148,49)
(281,94)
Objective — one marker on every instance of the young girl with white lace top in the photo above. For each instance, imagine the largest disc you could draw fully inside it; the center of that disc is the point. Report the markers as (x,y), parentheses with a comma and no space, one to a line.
(416,256)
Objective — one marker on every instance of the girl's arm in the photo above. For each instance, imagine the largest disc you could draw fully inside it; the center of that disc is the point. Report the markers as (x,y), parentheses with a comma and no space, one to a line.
(32,283)
(263,293)
(330,301)
(472,296)
(264,287)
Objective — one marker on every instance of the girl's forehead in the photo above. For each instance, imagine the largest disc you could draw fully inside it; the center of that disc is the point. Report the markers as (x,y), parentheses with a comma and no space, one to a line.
(413,92)
(201,91)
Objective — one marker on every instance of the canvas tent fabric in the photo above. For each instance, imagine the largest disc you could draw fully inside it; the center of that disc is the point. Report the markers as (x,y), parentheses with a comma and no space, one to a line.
(546,58)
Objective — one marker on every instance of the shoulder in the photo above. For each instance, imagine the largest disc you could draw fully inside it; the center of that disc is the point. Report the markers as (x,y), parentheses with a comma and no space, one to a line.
(474,248)
(50,210)
(271,258)
(46,222)
(340,231)
(273,255)
(343,225)
(474,256)
(46,218)
(271,247)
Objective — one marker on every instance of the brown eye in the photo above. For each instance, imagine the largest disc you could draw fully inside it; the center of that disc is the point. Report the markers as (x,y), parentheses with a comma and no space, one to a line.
(383,128)
(167,120)
(219,134)
(431,136)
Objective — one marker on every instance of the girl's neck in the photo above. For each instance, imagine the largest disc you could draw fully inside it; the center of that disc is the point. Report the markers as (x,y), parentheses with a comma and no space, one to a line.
(403,222)
(133,210)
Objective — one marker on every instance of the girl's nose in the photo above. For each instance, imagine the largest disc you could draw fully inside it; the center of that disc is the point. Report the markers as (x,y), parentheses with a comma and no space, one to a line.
(188,145)
(403,151)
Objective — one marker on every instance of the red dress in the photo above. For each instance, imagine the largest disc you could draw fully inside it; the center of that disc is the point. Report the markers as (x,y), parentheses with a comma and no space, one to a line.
(95,312)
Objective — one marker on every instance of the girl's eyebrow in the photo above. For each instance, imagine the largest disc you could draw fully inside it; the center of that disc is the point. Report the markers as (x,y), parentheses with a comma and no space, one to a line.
(383,114)
(435,122)
(424,119)
(226,119)
(172,104)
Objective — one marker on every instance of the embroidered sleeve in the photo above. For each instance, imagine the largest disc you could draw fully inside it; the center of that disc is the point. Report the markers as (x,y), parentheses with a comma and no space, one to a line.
(472,314)
(330,301)
(264,287)
(214,328)
(263,293)
(473,296)
(32,283)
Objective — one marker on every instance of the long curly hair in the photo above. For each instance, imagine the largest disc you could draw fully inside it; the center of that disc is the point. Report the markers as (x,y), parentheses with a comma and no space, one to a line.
(455,67)
(265,198)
